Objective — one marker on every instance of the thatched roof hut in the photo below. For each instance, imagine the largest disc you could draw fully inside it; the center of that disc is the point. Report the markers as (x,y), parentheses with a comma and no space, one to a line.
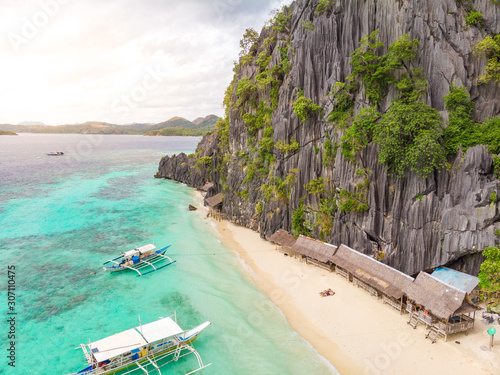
(379,276)
(283,238)
(215,200)
(207,186)
(440,299)
(315,249)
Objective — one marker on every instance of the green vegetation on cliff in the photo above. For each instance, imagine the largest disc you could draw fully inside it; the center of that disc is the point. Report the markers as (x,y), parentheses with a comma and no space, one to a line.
(384,109)
(253,100)
(305,108)
(359,135)
(490,47)
(409,132)
(489,278)
(298,222)
(461,128)
(376,72)
(462,131)
(323,6)
(474,18)
(288,148)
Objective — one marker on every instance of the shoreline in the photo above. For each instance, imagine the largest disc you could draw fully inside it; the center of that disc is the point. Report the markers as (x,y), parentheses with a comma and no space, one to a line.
(353,330)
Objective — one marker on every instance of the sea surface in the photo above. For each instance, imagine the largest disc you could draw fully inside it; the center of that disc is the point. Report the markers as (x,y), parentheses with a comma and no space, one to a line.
(62,217)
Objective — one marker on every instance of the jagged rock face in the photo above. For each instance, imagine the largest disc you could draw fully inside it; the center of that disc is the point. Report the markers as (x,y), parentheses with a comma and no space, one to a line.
(183,168)
(417,223)
(424,223)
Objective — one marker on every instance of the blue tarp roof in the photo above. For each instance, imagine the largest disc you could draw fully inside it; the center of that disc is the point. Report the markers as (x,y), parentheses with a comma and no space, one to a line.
(456,279)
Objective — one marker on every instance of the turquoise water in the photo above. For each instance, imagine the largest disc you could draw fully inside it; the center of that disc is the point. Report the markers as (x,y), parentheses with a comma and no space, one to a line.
(62,217)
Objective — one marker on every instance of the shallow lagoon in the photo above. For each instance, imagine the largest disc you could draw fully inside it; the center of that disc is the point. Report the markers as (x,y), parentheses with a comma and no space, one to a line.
(62,217)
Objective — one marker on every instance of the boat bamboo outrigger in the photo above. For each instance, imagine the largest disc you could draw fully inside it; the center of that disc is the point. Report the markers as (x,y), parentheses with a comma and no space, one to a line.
(142,350)
(139,259)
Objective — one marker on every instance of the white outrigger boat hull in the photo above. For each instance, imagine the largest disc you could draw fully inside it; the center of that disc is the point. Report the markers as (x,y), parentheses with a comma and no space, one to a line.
(142,350)
(139,259)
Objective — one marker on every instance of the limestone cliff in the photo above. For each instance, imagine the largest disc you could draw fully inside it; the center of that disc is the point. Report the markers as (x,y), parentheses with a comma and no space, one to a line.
(414,223)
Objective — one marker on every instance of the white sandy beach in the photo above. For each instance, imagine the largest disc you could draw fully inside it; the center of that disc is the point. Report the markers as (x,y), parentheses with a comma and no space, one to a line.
(354,330)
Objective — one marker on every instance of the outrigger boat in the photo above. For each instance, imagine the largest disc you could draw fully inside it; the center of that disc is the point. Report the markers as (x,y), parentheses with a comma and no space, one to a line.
(139,259)
(142,350)
(57,153)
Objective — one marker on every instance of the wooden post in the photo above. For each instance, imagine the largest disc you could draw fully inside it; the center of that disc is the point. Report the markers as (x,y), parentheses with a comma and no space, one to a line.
(491,332)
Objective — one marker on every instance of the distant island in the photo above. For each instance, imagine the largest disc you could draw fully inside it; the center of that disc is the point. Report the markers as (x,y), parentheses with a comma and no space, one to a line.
(176,126)
(4,132)
(181,126)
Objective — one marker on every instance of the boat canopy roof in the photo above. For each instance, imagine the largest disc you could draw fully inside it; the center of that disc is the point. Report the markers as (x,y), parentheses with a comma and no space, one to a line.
(146,248)
(139,250)
(130,253)
(134,338)
(160,329)
(117,344)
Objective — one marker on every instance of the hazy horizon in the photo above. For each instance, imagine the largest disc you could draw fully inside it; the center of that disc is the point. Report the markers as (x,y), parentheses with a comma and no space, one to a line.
(40,123)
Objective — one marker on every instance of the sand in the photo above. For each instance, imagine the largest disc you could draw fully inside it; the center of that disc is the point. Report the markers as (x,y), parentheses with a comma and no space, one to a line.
(352,329)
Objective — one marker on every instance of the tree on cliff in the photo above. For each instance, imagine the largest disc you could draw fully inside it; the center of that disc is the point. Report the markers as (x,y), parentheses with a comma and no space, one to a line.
(489,277)
(249,39)
(490,47)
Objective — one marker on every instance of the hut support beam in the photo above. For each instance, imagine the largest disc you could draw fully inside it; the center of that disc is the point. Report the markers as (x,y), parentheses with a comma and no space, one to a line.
(397,304)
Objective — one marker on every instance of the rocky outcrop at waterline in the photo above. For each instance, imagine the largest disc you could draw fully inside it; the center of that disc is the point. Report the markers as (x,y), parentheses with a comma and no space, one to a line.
(412,223)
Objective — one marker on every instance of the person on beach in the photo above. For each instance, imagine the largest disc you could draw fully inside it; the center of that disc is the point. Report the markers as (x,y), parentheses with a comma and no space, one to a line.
(326,293)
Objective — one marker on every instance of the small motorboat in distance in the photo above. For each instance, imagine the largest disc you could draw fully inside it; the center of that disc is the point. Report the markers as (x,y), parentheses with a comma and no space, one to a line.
(142,350)
(138,259)
(56,153)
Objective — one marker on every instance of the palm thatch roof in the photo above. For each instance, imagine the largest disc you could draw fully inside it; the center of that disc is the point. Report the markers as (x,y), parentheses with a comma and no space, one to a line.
(215,200)
(207,186)
(441,299)
(283,238)
(314,249)
(378,275)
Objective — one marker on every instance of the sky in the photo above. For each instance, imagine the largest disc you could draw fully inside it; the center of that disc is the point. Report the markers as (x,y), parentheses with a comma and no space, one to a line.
(120,61)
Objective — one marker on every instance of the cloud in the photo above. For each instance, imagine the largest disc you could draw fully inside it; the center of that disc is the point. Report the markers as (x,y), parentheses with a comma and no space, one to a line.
(67,61)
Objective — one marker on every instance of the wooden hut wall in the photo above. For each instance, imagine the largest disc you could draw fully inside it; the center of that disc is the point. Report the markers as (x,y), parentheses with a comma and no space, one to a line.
(398,304)
(215,200)
(285,240)
(438,298)
(365,286)
(215,206)
(319,264)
